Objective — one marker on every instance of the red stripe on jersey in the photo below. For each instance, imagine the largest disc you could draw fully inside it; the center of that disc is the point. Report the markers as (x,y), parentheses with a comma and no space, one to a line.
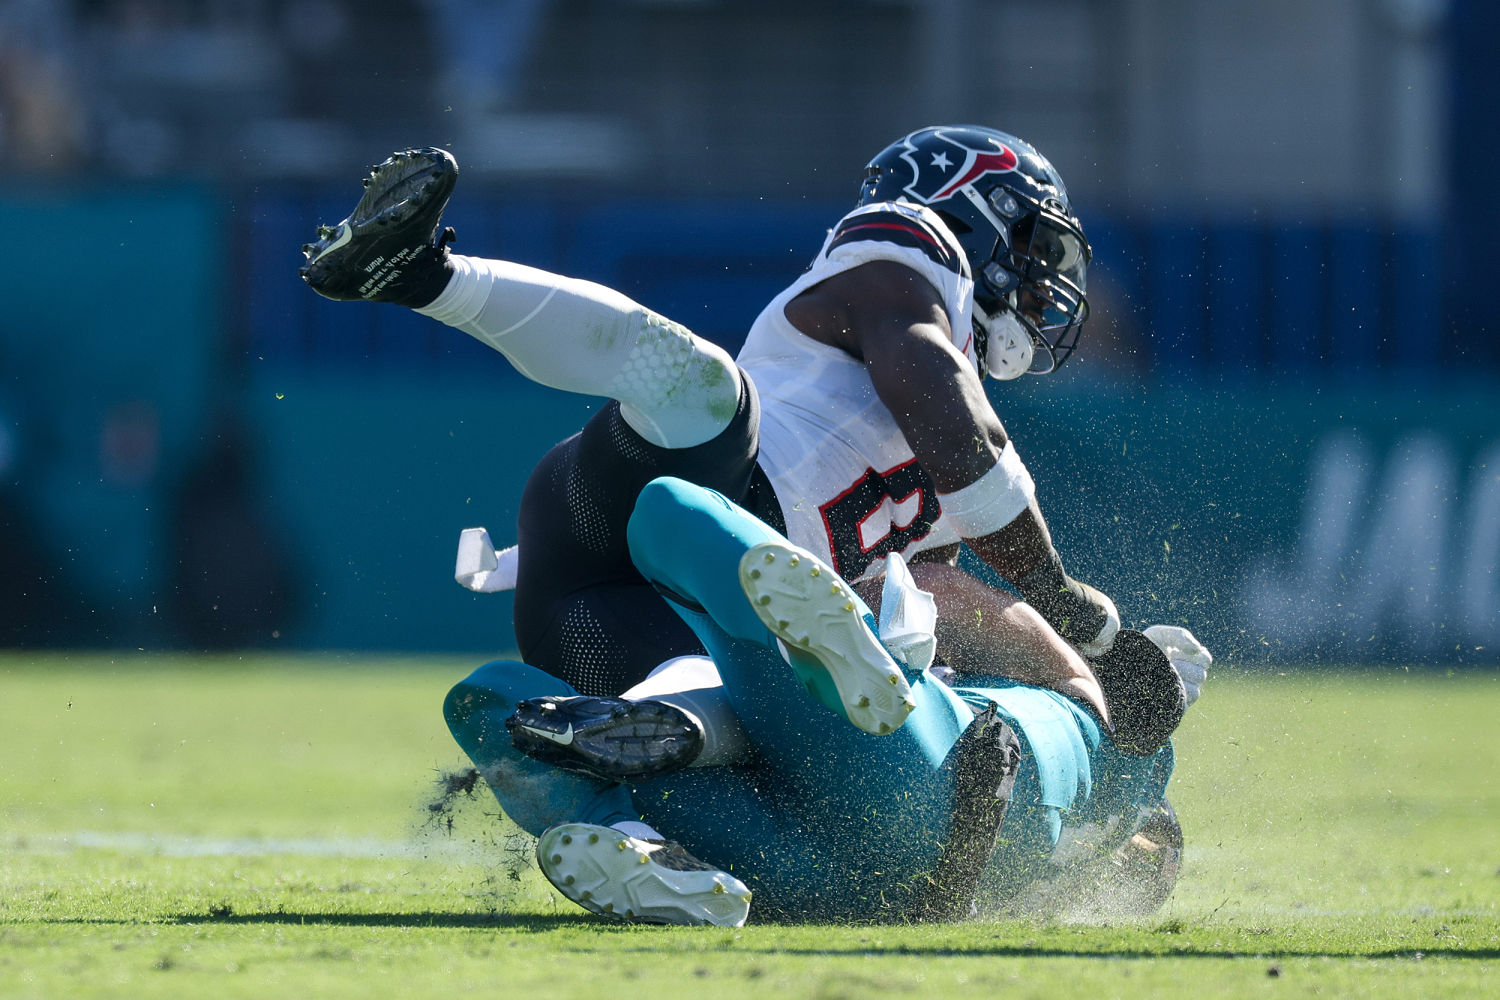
(891,225)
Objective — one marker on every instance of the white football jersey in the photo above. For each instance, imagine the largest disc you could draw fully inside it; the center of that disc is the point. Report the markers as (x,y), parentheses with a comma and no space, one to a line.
(848,483)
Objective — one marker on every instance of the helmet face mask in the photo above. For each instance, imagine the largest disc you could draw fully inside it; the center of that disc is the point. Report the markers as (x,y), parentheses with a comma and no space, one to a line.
(1007,206)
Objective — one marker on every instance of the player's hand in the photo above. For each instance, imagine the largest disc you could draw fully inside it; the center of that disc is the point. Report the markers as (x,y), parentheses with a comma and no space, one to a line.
(1189,657)
(1078,612)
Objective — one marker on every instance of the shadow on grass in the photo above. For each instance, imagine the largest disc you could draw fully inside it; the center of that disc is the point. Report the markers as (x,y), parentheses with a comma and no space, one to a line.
(1104,951)
(509,921)
(544,922)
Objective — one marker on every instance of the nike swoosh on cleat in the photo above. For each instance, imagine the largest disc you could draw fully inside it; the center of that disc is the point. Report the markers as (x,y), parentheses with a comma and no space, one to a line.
(346,233)
(564,738)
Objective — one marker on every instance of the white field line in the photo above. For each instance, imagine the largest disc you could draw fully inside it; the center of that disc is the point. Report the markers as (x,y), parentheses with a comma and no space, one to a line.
(436,847)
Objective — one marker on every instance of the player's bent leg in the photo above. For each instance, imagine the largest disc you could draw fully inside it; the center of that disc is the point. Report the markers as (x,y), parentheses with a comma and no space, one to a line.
(688,541)
(631,878)
(675,389)
(712,554)
(821,622)
(582,609)
(533,794)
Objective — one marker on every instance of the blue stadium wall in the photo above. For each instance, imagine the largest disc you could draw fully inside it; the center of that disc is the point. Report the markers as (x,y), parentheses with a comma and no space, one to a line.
(1279,451)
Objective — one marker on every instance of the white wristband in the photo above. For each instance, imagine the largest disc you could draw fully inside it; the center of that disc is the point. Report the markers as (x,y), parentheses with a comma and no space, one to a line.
(993,500)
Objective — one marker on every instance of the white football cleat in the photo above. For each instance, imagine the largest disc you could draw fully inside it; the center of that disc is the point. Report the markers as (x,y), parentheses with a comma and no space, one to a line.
(650,881)
(812,611)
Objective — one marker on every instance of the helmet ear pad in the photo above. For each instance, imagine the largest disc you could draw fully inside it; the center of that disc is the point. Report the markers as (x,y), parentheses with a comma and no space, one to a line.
(1009,348)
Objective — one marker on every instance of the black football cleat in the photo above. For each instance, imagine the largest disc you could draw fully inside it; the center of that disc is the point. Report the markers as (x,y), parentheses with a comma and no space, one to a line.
(608,738)
(389,249)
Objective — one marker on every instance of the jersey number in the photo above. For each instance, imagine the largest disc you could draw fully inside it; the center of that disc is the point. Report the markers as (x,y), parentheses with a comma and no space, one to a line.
(883,512)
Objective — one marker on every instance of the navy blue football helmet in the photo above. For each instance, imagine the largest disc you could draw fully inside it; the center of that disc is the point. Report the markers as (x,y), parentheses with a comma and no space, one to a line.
(1010,212)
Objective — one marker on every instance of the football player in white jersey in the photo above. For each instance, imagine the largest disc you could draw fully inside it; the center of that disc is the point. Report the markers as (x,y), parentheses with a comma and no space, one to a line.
(855,421)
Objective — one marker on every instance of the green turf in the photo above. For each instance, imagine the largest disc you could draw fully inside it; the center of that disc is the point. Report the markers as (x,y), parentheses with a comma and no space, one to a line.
(259,827)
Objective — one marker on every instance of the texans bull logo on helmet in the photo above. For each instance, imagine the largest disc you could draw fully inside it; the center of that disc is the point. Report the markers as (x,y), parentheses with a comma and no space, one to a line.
(944,174)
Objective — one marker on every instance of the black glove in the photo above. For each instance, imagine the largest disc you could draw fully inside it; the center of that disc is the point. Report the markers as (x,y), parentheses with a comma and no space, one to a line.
(1077,611)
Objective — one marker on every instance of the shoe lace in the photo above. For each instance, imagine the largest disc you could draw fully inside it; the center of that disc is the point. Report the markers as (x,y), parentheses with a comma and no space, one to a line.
(672,855)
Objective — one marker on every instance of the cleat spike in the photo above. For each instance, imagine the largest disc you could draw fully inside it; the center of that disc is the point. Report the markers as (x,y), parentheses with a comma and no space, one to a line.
(593,838)
(566,840)
(557,859)
(719,889)
(864,702)
(645,858)
(764,600)
(794,561)
(895,679)
(770,557)
(816,571)
(569,880)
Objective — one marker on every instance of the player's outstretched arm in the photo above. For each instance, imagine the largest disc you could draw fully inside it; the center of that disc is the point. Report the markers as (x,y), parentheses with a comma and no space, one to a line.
(888,316)
(981,630)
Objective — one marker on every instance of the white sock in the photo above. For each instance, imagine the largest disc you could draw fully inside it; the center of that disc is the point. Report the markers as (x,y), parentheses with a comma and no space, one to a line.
(637,829)
(692,685)
(675,389)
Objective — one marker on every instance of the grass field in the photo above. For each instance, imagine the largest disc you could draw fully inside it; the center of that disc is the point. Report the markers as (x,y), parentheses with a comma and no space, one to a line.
(260,827)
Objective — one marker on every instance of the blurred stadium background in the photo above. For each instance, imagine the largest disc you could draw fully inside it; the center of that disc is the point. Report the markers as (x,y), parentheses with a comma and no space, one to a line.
(1283,427)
